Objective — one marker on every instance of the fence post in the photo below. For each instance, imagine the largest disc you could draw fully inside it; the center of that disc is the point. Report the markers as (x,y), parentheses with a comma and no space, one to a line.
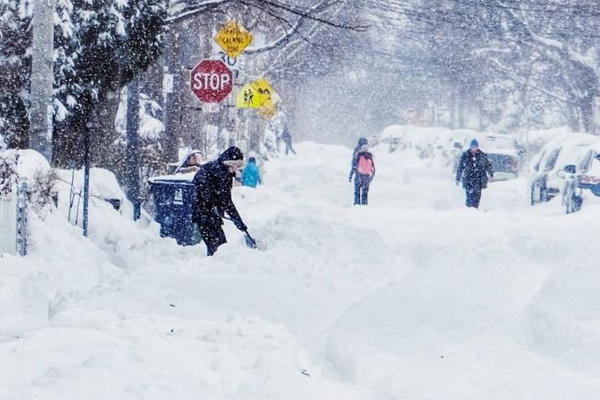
(22,195)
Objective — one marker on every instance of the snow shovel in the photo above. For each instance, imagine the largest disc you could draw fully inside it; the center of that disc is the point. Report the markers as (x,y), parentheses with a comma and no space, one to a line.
(250,241)
(253,243)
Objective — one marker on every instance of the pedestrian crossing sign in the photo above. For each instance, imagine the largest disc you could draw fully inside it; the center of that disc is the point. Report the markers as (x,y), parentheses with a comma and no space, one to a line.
(248,97)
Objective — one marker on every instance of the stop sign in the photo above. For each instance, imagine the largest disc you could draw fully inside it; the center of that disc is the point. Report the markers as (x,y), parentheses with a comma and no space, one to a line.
(211,81)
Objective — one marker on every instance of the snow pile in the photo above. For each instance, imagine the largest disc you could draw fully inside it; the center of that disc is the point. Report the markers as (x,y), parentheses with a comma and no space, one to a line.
(432,144)
(414,296)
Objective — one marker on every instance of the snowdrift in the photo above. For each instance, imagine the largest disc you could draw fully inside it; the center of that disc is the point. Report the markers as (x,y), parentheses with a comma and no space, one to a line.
(412,297)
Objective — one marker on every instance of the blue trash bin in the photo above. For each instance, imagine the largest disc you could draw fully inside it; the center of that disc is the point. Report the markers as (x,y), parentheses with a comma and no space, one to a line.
(174,201)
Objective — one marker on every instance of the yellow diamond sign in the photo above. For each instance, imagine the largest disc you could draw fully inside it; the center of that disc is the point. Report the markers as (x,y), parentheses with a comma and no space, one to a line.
(248,97)
(255,94)
(265,91)
(233,39)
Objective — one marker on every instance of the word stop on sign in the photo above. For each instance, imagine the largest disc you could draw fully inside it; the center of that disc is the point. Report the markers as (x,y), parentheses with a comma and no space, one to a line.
(210,81)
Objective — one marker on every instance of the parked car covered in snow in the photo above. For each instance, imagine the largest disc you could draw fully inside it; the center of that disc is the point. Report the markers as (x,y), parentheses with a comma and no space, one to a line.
(504,152)
(584,176)
(588,171)
(549,176)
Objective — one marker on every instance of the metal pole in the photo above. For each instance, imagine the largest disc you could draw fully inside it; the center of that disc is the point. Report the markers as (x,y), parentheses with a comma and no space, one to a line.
(42,78)
(22,191)
(86,179)
(132,154)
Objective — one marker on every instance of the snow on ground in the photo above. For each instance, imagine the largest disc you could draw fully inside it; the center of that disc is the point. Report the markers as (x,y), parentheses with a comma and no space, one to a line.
(413,297)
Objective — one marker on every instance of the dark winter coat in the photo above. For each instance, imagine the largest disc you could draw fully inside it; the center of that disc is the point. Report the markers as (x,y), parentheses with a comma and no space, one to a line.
(473,170)
(286,136)
(213,183)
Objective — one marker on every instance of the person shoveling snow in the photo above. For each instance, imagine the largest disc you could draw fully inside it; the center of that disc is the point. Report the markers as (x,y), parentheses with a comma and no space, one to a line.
(214,182)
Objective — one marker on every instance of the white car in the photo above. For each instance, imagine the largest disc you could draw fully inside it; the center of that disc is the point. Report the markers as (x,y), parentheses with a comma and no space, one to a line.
(588,170)
(548,168)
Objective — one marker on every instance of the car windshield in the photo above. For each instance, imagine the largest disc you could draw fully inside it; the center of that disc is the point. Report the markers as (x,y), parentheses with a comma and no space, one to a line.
(573,155)
(551,162)
(585,161)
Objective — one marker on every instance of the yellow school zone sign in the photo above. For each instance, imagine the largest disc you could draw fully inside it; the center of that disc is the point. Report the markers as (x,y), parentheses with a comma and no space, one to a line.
(255,94)
(248,97)
(233,39)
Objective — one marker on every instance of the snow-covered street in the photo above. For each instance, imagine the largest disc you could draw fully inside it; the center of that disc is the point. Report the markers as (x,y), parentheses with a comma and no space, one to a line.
(413,297)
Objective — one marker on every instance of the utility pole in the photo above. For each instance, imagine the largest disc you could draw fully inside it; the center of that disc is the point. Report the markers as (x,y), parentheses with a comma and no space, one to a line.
(132,151)
(42,77)
(171,88)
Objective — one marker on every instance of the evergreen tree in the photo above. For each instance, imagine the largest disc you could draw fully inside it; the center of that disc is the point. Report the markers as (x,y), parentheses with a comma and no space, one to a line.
(15,17)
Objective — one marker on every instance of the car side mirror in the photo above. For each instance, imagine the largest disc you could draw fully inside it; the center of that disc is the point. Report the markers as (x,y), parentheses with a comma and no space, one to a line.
(571,169)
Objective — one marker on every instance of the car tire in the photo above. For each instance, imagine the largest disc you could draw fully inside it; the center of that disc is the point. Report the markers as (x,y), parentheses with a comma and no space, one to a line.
(538,194)
(544,194)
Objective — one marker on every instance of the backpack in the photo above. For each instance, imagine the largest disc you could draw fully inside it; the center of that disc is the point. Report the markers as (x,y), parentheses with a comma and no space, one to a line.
(364,166)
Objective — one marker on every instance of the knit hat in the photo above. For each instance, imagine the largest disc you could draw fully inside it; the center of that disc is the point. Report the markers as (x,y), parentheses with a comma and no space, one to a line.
(474,143)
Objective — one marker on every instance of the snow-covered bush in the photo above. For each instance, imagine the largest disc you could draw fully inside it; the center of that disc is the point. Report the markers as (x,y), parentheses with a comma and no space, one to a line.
(8,173)
(43,194)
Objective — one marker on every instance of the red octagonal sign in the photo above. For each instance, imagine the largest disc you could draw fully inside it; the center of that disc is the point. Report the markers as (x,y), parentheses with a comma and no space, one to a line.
(211,81)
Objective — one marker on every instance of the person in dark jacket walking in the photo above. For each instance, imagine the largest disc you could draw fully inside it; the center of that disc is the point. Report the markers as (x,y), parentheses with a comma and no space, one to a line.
(473,169)
(363,166)
(287,139)
(214,182)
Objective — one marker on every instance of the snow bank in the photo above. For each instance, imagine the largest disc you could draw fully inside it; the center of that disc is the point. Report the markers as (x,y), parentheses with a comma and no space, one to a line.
(69,327)
(412,297)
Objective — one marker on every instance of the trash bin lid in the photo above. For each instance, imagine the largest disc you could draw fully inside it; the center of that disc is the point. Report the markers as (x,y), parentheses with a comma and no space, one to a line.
(172,179)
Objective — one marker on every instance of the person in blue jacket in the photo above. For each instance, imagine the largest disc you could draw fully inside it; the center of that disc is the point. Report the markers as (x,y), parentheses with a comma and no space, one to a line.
(251,174)
(473,169)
